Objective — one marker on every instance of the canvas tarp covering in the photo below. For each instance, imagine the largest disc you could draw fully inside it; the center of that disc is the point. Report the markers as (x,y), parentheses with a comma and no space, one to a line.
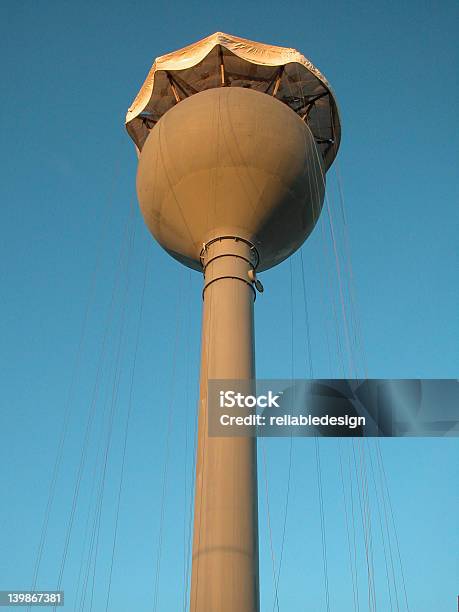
(225,60)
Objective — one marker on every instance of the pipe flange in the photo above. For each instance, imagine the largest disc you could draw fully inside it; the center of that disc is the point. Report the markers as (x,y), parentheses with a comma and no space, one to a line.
(256,256)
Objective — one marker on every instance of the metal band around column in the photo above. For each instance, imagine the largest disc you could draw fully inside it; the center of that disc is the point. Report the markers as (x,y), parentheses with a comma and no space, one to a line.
(252,262)
(253,249)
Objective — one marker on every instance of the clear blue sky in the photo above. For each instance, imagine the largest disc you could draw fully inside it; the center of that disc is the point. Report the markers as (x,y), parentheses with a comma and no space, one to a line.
(69,72)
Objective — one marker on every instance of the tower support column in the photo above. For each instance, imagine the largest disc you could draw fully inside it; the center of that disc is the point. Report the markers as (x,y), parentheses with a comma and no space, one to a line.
(225,539)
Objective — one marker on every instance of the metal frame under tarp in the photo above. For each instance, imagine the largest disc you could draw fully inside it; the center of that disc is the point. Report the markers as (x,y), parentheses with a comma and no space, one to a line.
(222,60)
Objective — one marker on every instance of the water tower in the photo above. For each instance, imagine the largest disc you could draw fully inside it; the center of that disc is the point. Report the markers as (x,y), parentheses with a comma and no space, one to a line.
(234,138)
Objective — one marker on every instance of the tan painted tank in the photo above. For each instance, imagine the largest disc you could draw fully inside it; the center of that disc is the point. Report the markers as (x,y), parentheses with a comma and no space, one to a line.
(234,138)
(230,161)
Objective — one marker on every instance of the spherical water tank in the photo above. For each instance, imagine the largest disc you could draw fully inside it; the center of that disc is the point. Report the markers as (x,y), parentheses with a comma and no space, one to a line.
(230,161)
